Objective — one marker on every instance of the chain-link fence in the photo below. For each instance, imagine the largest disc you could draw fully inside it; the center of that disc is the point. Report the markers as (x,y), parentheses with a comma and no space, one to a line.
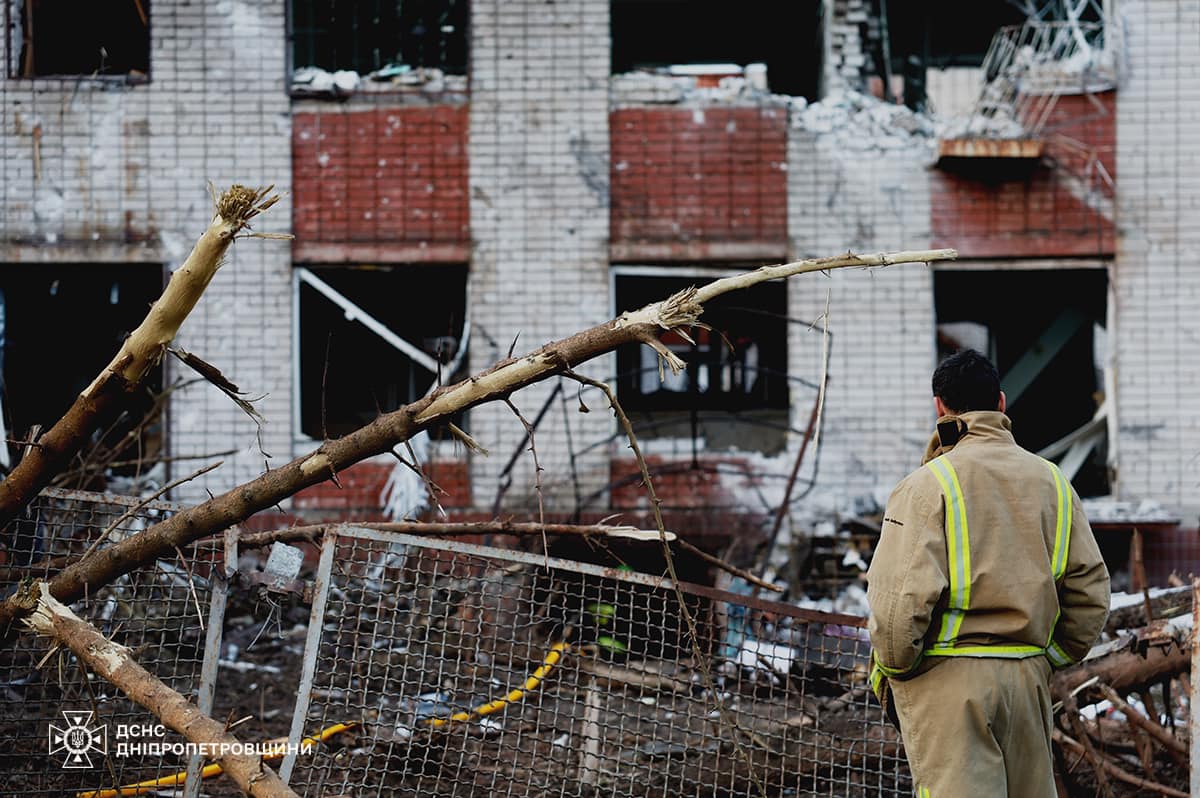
(481,671)
(160,613)
(454,669)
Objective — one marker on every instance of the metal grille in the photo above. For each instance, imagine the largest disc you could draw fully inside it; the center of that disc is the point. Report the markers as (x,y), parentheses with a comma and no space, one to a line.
(161,613)
(480,671)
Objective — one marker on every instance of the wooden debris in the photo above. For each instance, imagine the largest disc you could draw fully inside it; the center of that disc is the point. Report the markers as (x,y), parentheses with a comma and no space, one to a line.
(1101,726)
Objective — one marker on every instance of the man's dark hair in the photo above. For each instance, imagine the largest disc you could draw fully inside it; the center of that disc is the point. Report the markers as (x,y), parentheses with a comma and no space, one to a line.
(967,381)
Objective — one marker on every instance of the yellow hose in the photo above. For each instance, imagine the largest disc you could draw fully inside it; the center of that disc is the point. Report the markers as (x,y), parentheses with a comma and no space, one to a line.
(553,657)
(277,751)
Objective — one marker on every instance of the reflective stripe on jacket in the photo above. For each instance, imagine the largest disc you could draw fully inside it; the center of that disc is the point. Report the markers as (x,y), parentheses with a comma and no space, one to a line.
(984,552)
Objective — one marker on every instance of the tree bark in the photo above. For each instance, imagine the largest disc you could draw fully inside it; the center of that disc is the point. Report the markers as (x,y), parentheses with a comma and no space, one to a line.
(1124,669)
(114,663)
(1166,604)
(109,393)
(312,534)
(390,429)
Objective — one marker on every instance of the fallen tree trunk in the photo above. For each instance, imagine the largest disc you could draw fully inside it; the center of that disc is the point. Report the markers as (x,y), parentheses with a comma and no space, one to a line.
(109,393)
(312,534)
(114,663)
(1165,604)
(390,429)
(1146,656)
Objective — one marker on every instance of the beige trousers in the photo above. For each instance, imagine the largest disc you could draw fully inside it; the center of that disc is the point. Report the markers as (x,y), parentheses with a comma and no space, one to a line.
(978,728)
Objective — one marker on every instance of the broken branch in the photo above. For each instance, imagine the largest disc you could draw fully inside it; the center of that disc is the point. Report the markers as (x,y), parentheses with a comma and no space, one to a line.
(1111,769)
(114,663)
(310,534)
(1138,719)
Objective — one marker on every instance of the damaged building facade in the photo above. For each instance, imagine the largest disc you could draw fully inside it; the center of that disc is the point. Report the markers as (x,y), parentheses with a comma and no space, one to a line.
(470,179)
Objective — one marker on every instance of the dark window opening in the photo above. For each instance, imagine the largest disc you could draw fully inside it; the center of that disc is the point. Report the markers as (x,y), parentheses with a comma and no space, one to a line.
(787,37)
(367,36)
(945,33)
(925,34)
(1044,331)
(79,37)
(95,307)
(349,373)
(735,372)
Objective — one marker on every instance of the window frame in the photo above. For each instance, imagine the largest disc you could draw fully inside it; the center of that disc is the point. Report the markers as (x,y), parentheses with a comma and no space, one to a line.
(302,274)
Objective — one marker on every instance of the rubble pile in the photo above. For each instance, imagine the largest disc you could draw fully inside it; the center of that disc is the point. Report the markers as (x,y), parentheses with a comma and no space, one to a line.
(857,122)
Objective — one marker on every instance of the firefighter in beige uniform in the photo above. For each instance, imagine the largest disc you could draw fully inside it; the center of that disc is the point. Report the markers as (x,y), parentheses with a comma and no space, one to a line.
(986,577)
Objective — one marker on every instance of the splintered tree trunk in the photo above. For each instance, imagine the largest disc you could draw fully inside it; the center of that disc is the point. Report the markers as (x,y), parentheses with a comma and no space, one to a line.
(109,393)
(390,429)
(114,663)
(1147,656)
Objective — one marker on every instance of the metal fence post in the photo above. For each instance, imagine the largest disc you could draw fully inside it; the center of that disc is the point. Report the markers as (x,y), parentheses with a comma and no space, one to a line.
(312,646)
(212,649)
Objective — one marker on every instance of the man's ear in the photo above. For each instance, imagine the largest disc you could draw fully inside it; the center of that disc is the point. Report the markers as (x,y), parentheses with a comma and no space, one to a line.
(940,407)
(1003,402)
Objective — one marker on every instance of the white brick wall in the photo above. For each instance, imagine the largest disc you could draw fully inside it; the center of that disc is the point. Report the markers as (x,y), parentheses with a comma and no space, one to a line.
(129,164)
(1157,283)
(877,413)
(122,161)
(539,219)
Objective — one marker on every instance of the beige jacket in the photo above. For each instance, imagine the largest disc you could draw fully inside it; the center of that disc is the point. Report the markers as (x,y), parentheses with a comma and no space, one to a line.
(1006,598)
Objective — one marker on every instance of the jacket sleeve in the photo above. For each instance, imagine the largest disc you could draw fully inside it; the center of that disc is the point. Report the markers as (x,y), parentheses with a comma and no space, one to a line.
(1083,595)
(908,574)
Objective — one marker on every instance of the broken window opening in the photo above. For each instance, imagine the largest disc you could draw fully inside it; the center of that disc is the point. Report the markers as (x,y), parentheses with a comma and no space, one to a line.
(49,38)
(733,391)
(43,373)
(370,342)
(656,34)
(376,36)
(915,36)
(1045,331)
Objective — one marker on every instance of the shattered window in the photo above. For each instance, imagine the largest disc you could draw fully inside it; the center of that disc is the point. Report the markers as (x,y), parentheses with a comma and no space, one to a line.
(79,37)
(786,37)
(739,366)
(373,338)
(42,371)
(383,38)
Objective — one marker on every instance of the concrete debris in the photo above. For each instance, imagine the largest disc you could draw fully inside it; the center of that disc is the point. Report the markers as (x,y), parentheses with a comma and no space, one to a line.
(1107,510)
(859,122)
(391,78)
(852,600)
(998,124)
(320,81)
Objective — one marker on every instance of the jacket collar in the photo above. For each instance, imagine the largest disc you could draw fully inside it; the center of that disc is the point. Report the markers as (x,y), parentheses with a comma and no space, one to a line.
(973,427)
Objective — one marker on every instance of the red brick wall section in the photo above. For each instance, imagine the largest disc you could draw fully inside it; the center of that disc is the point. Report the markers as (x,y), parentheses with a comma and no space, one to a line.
(716,174)
(1039,214)
(362,484)
(381,175)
